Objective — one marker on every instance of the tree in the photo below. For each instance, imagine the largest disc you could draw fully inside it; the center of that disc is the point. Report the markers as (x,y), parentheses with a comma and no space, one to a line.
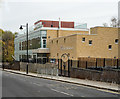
(114,22)
(118,24)
(8,45)
(105,24)
(1,32)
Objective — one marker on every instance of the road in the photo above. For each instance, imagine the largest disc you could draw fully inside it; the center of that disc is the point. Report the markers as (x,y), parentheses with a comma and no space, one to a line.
(15,85)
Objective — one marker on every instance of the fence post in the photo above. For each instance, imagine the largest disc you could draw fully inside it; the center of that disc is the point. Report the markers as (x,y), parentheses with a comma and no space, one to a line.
(68,69)
(117,64)
(58,63)
(96,63)
(104,62)
(61,68)
(86,64)
(78,64)
(71,62)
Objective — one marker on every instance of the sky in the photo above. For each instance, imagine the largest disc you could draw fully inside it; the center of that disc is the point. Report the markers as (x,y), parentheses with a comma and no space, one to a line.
(93,12)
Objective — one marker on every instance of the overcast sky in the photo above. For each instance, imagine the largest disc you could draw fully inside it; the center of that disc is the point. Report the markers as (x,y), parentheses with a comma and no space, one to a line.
(93,12)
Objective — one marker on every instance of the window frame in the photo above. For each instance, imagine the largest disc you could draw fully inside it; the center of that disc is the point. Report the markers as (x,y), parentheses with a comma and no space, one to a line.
(83,38)
(117,41)
(109,47)
(91,42)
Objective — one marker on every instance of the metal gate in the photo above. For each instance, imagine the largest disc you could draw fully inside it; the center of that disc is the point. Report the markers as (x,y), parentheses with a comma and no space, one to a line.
(64,66)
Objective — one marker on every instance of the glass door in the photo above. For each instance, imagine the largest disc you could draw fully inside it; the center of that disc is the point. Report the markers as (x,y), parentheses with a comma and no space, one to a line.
(43,43)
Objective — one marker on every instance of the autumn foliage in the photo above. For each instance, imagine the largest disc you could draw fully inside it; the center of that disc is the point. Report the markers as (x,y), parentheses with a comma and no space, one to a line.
(6,45)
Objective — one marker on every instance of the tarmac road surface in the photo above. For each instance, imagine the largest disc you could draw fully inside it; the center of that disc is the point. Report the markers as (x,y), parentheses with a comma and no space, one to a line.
(15,85)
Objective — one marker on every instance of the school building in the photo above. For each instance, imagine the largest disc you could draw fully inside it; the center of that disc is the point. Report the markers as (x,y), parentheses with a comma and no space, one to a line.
(68,45)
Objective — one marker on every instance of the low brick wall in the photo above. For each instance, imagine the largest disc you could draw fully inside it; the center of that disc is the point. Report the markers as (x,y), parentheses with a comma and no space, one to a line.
(48,68)
(107,75)
(15,65)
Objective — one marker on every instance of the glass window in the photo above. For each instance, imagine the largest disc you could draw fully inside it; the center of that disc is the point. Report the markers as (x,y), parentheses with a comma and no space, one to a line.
(83,39)
(57,54)
(64,40)
(41,55)
(20,46)
(116,41)
(43,33)
(110,47)
(52,41)
(90,42)
(44,41)
(44,46)
(57,41)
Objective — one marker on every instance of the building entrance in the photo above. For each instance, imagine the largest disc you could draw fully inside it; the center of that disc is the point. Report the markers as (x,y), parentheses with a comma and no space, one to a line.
(64,65)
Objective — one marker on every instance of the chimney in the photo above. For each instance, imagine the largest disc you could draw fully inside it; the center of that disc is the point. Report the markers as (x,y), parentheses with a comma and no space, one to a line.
(59,23)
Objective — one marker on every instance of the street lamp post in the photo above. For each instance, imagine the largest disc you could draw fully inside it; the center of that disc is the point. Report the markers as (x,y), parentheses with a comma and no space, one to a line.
(21,27)
(3,56)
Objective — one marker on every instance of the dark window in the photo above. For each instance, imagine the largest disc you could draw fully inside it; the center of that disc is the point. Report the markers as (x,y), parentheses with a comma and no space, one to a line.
(57,41)
(51,25)
(78,64)
(90,42)
(52,41)
(20,57)
(116,41)
(71,63)
(44,37)
(44,41)
(41,55)
(83,39)
(20,46)
(64,40)
(69,54)
(110,47)
(44,46)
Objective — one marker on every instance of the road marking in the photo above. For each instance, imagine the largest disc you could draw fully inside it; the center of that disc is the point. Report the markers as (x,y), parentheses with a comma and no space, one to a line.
(82,96)
(36,84)
(108,91)
(62,92)
(103,90)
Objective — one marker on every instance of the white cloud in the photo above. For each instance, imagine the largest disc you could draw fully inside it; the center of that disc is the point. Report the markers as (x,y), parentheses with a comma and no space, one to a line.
(16,12)
(62,0)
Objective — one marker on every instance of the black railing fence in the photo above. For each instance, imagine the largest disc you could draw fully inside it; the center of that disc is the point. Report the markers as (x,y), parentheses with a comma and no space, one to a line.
(98,63)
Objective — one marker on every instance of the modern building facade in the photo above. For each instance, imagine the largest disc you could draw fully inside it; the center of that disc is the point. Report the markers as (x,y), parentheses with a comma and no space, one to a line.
(99,48)
(68,45)
(39,39)
(102,42)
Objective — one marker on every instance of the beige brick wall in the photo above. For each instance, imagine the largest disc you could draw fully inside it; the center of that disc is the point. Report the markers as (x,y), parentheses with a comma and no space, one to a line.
(50,35)
(66,32)
(119,43)
(69,46)
(101,38)
(99,49)
(60,33)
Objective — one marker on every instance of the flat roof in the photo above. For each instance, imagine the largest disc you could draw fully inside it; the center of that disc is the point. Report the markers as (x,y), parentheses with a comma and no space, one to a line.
(103,27)
(73,35)
(51,28)
(72,29)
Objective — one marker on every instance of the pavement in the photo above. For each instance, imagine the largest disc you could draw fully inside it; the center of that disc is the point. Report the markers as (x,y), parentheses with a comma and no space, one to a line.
(95,84)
